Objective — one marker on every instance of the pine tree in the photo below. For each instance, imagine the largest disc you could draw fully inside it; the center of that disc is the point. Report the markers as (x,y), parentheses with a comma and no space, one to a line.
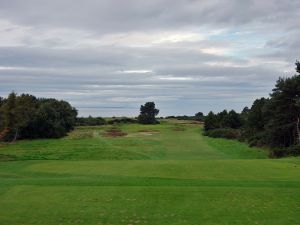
(283,124)
(10,117)
(148,113)
(297,66)
(211,122)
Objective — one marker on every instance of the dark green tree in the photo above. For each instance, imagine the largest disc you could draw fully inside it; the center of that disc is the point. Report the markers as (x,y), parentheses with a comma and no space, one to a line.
(25,116)
(53,119)
(10,117)
(1,114)
(283,124)
(199,116)
(148,112)
(222,119)
(26,106)
(233,120)
(298,66)
(257,116)
(211,121)
(244,115)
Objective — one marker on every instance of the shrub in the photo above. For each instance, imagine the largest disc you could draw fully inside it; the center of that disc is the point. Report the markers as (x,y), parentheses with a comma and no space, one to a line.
(227,133)
(258,139)
(90,121)
(122,120)
(293,150)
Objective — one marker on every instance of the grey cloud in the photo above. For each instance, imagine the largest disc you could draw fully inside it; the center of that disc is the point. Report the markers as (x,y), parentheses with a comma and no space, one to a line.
(199,55)
(112,16)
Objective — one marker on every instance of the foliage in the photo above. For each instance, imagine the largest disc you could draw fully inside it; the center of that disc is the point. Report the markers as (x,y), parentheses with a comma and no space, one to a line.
(184,117)
(211,121)
(258,139)
(199,116)
(148,112)
(90,121)
(293,150)
(27,117)
(122,120)
(223,119)
(284,113)
(273,122)
(227,133)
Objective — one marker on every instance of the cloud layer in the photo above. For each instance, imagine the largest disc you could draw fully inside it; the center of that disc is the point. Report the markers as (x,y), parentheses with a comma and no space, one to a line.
(107,57)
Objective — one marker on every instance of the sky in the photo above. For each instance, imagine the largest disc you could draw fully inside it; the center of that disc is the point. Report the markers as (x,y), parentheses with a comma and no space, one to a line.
(107,57)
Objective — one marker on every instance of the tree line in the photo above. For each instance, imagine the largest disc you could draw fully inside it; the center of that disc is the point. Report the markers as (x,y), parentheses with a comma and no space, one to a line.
(28,117)
(98,121)
(272,122)
(199,116)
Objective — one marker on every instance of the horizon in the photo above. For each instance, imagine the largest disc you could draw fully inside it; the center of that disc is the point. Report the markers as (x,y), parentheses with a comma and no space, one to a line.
(109,57)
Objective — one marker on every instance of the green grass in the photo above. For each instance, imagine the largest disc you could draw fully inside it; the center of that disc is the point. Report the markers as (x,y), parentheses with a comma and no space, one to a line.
(168,174)
(165,143)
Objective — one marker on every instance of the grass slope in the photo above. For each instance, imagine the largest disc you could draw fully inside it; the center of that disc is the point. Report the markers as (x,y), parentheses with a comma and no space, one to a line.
(163,174)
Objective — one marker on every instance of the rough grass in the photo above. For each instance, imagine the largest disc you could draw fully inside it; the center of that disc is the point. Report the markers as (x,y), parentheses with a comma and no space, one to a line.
(162,141)
(171,177)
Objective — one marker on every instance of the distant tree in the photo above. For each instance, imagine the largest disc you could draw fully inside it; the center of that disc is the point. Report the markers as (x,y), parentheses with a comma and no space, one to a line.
(274,122)
(10,117)
(26,111)
(122,120)
(298,66)
(148,112)
(244,115)
(222,119)
(245,110)
(53,119)
(199,116)
(257,116)
(1,114)
(233,120)
(211,121)
(90,121)
(25,116)
(283,124)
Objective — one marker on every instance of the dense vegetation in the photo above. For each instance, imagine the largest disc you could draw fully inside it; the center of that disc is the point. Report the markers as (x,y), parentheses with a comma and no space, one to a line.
(90,121)
(122,120)
(199,116)
(28,117)
(272,122)
(97,121)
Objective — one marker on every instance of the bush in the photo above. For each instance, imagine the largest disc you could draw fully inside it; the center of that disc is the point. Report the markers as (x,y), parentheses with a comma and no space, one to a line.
(293,150)
(227,133)
(90,121)
(257,140)
(28,117)
(122,120)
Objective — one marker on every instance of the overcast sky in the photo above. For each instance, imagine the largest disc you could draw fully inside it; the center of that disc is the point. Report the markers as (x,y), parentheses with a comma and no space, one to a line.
(107,57)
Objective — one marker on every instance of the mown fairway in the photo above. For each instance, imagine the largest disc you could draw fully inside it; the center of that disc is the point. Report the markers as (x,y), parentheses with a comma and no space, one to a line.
(156,175)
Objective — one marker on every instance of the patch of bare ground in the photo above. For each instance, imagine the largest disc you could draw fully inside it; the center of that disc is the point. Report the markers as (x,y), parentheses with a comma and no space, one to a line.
(5,157)
(186,122)
(178,129)
(148,132)
(114,132)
